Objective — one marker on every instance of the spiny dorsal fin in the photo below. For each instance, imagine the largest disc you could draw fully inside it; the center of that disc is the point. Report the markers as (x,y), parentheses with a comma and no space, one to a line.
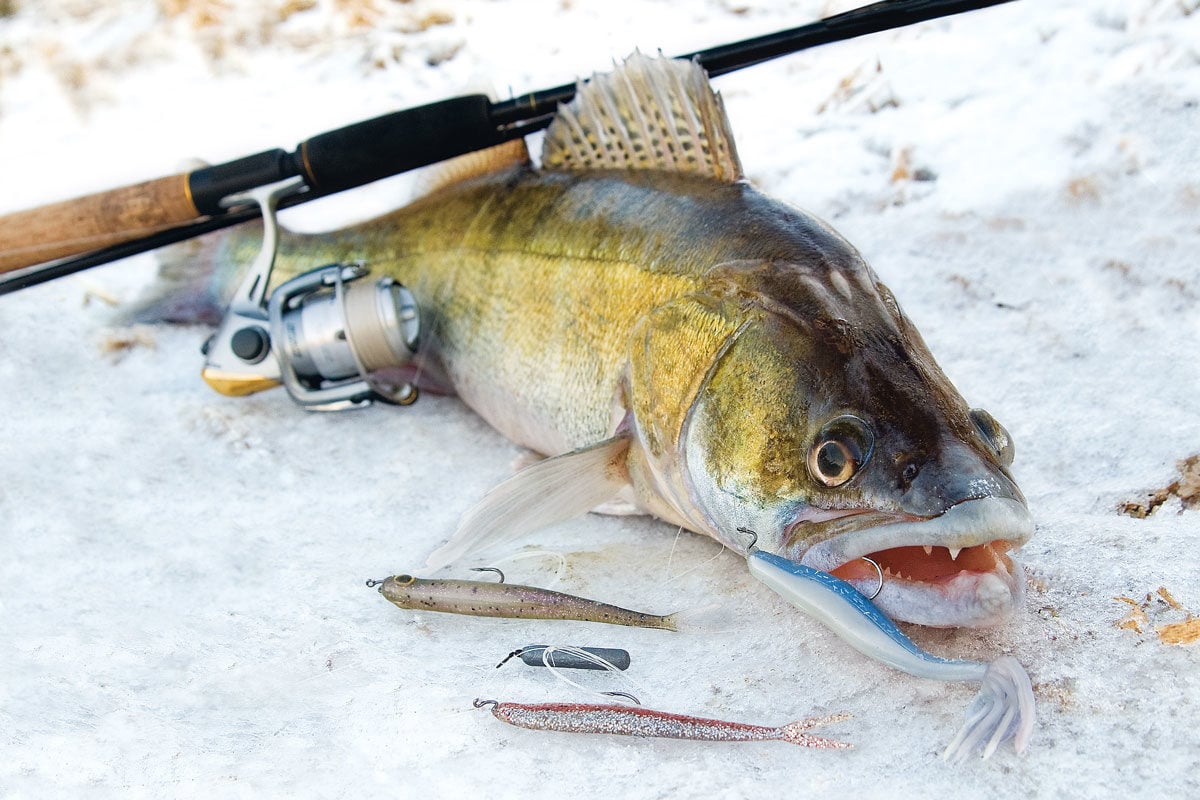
(469,165)
(650,113)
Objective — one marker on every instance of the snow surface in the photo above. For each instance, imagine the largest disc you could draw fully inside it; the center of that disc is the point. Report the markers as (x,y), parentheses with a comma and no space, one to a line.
(182,609)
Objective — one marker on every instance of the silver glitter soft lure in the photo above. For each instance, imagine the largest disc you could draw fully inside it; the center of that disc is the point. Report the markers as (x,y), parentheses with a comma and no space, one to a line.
(645,722)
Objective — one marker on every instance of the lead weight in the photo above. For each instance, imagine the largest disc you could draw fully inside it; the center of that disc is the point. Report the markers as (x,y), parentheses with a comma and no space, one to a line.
(535,656)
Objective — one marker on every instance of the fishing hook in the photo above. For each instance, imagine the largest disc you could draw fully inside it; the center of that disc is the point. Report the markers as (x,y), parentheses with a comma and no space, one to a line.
(481,703)
(625,695)
(489,569)
(373,582)
(753,541)
(879,588)
(878,569)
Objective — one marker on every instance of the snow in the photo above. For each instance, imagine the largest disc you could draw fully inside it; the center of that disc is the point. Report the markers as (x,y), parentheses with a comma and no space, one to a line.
(182,609)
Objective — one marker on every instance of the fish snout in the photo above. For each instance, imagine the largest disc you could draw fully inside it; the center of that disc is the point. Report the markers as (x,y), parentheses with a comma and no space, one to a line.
(958,474)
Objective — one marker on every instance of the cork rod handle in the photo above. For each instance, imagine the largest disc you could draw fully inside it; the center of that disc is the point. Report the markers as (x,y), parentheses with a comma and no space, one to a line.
(98,220)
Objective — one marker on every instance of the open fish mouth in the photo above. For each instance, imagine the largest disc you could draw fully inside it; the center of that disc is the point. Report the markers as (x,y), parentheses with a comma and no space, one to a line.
(952,570)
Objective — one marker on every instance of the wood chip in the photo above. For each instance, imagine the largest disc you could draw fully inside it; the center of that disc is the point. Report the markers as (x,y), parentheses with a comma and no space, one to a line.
(1135,619)
(1179,632)
(1186,488)
(1166,596)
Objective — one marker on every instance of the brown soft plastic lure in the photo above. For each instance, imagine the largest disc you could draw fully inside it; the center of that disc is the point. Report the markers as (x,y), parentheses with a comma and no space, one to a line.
(627,721)
(510,600)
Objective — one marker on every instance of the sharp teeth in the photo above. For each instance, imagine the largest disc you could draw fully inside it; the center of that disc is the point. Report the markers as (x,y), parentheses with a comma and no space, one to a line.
(928,549)
(954,551)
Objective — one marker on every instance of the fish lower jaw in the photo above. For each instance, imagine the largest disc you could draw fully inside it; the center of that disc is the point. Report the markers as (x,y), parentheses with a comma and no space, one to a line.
(967,598)
(955,570)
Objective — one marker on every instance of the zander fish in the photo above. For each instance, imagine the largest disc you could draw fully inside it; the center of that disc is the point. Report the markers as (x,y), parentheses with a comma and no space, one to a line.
(679,344)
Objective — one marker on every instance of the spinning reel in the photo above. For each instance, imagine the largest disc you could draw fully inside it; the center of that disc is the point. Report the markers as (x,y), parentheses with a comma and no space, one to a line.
(332,338)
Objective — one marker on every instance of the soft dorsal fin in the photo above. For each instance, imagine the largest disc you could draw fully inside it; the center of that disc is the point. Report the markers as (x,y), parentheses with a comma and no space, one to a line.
(469,165)
(649,113)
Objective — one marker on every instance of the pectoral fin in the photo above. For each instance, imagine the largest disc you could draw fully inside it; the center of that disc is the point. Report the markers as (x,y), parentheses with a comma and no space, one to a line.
(547,492)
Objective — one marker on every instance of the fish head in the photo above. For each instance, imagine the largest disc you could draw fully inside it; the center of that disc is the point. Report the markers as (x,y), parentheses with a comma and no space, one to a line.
(823,425)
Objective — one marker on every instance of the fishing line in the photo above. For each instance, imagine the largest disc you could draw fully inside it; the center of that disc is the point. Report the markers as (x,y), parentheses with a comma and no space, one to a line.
(560,567)
(671,558)
(589,657)
(594,659)
(532,656)
(671,555)
(429,333)
(688,571)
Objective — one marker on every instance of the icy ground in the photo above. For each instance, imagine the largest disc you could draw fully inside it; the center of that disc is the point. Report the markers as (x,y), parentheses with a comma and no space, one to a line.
(182,609)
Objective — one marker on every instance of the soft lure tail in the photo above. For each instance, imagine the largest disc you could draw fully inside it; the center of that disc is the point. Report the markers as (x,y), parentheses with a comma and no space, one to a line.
(1004,707)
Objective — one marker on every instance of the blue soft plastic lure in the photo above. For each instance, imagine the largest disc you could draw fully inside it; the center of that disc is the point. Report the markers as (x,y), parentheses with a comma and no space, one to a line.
(1004,707)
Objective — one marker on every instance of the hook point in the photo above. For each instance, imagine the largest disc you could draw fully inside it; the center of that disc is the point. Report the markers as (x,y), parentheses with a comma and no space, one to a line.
(878,588)
(489,569)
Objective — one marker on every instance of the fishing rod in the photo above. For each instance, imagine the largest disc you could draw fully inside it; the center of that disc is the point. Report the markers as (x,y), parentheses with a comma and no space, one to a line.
(41,244)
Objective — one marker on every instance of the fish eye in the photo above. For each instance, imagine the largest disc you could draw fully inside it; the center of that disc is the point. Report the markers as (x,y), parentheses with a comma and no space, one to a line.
(832,462)
(405,580)
(840,450)
(997,438)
